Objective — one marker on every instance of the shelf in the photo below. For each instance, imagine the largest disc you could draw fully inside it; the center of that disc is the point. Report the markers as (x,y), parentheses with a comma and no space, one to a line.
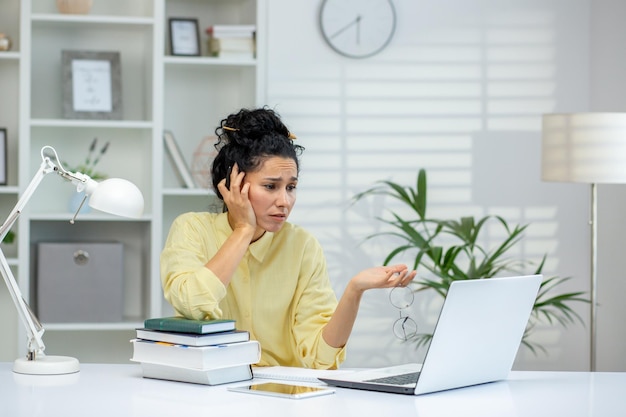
(209,61)
(9,189)
(130,325)
(88,217)
(201,192)
(8,55)
(91,19)
(113,124)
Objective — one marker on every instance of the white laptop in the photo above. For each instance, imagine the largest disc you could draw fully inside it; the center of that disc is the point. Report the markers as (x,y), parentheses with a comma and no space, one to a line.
(475,341)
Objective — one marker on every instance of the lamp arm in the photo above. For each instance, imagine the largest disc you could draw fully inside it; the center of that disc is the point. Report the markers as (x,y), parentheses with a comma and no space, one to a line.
(33,326)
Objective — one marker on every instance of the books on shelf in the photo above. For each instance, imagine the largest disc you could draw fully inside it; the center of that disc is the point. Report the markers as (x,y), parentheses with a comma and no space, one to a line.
(181,169)
(196,357)
(232,47)
(231,31)
(232,41)
(183,325)
(197,376)
(194,339)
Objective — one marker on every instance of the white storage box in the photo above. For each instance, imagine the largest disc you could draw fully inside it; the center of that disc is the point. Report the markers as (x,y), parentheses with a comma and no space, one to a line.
(80,282)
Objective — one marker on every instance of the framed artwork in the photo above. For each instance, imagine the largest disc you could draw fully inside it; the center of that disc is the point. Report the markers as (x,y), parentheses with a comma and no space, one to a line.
(184,36)
(92,85)
(3,156)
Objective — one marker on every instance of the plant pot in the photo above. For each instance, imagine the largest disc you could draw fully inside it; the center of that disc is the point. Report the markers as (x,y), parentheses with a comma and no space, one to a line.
(74,6)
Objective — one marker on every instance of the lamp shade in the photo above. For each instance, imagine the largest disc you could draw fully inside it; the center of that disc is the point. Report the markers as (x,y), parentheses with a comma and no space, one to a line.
(117,196)
(584,147)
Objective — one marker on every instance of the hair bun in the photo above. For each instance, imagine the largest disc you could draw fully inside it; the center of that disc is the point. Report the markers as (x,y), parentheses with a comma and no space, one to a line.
(251,125)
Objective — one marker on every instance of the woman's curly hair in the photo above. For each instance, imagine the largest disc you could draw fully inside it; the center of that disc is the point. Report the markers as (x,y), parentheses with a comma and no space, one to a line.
(247,138)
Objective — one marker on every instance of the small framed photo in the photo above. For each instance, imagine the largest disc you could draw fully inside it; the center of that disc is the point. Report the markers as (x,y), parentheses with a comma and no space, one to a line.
(184,36)
(92,85)
(3,156)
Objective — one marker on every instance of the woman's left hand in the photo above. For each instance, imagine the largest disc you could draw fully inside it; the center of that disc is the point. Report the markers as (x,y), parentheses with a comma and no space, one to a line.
(383,277)
(338,329)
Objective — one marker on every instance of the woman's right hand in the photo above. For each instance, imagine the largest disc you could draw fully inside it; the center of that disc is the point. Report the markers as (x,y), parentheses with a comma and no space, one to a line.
(240,212)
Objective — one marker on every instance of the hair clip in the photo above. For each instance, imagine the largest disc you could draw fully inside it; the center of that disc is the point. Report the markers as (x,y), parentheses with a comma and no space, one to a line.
(232,129)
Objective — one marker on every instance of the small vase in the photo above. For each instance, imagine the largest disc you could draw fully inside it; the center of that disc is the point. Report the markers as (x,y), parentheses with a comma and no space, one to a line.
(74,6)
(5,42)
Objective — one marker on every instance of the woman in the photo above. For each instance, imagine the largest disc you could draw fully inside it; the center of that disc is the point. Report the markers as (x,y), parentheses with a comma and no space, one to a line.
(249,264)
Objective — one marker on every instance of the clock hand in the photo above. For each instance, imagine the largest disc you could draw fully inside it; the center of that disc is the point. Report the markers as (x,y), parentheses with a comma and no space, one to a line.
(346,27)
(358,30)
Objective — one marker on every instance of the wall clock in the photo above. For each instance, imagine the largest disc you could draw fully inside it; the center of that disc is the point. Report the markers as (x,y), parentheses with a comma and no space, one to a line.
(357,28)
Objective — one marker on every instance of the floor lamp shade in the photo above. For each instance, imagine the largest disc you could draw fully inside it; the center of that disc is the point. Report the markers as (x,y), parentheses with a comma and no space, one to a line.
(584,147)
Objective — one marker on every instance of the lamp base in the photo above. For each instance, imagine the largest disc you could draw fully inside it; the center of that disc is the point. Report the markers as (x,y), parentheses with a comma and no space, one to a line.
(47,365)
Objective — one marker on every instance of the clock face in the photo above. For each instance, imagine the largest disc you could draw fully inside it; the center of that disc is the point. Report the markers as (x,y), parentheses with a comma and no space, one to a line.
(357,28)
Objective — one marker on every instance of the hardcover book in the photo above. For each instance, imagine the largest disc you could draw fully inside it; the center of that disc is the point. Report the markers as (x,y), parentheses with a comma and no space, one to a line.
(232,47)
(181,169)
(194,339)
(197,376)
(231,31)
(183,325)
(196,357)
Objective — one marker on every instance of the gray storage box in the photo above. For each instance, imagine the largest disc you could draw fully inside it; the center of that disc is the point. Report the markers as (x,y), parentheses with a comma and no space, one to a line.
(80,282)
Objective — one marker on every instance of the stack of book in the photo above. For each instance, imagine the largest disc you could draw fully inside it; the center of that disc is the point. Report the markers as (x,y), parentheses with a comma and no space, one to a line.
(232,41)
(209,352)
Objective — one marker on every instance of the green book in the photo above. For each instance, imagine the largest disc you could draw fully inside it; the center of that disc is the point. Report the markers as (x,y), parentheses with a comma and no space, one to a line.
(183,325)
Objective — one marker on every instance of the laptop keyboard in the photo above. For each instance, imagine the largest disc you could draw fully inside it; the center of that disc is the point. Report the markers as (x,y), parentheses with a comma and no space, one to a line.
(402,379)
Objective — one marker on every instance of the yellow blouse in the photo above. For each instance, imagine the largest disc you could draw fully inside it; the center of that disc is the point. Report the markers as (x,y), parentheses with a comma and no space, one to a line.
(280,292)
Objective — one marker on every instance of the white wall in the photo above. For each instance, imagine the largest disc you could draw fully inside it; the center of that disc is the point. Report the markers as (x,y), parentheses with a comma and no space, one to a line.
(460,92)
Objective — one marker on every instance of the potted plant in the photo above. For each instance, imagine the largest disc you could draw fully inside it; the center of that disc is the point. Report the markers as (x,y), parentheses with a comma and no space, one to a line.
(452,249)
(9,238)
(88,167)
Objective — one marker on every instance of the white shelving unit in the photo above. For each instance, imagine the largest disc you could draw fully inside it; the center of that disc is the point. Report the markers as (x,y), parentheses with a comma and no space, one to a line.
(187,95)
(10,62)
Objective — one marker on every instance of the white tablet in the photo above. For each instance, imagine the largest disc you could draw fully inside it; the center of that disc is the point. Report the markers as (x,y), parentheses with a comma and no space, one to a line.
(276,389)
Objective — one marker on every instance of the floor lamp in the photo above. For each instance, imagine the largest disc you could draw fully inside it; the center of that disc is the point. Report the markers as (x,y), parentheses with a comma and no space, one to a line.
(586,148)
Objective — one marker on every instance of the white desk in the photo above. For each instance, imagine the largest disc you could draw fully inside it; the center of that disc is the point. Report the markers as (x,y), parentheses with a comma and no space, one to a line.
(119,390)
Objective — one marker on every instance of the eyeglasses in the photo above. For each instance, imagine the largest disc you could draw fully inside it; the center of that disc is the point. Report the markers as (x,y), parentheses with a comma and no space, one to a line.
(401,298)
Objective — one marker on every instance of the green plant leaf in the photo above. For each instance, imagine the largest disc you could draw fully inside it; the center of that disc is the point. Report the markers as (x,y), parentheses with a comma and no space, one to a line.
(420,195)
(9,237)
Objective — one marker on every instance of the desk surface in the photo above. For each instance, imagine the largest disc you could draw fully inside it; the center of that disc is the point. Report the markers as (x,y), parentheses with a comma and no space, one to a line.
(120,390)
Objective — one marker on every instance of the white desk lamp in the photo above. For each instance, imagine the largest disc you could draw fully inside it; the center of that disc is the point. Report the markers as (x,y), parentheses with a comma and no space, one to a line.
(115,196)
(586,148)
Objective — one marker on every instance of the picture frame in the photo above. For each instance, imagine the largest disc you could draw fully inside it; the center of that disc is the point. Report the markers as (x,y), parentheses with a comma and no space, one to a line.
(3,156)
(92,85)
(184,36)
